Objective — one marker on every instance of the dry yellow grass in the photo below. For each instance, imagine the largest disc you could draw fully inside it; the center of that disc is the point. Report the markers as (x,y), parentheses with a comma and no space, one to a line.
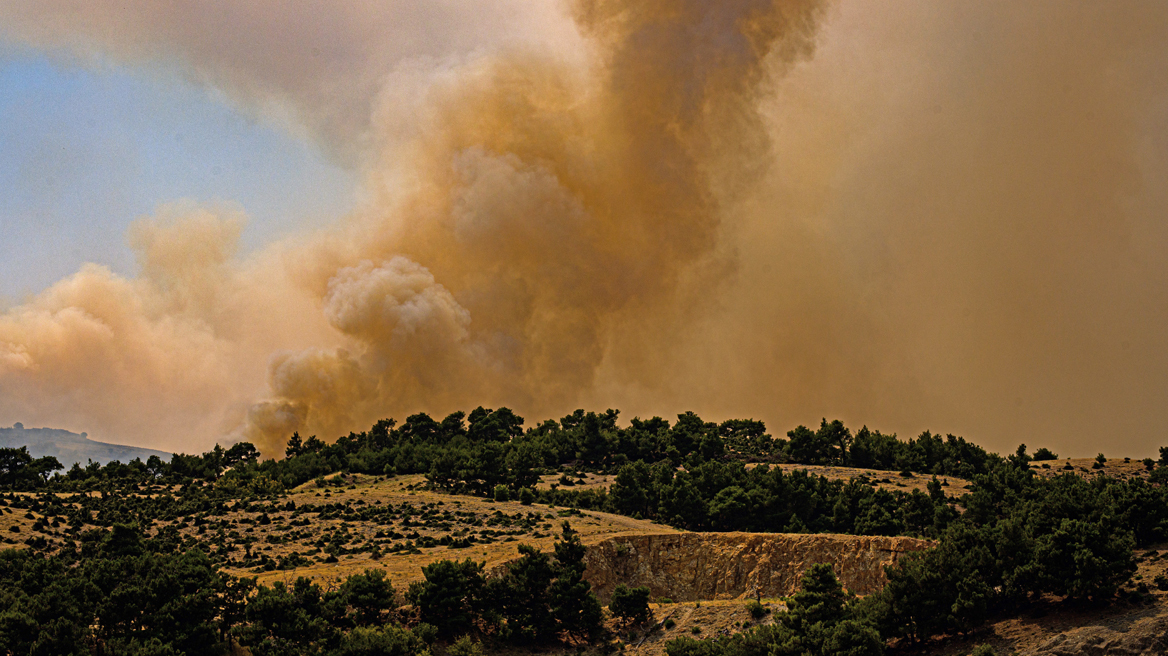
(589,481)
(711,618)
(1116,467)
(493,526)
(886,480)
(10,517)
(402,568)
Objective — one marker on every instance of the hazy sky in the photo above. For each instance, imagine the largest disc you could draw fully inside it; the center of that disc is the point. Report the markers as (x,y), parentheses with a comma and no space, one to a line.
(84,152)
(228,221)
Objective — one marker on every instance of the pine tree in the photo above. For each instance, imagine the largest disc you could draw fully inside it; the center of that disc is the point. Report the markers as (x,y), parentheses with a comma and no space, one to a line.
(576,609)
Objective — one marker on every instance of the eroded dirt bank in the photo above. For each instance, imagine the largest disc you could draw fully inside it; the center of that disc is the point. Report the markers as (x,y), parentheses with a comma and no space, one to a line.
(696,566)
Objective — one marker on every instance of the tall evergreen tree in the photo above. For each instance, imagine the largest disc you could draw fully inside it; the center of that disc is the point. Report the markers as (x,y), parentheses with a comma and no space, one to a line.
(576,609)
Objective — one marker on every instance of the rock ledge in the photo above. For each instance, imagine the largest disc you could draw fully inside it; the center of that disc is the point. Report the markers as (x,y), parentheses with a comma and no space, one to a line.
(694,566)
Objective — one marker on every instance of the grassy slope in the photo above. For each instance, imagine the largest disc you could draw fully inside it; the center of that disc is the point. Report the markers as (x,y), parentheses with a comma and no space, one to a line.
(499,546)
(402,567)
(881,479)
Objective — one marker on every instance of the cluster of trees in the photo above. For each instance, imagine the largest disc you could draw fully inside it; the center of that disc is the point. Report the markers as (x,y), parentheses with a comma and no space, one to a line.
(123,593)
(726,496)
(1017,536)
(488,448)
(834,444)
(540,597)
(477,452)
(1020,538)
(18,469)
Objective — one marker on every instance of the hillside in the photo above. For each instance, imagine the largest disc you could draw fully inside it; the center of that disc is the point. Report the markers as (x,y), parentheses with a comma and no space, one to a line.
(70,448)
(703,578)
(1026,560)
(1084,629)
(395,525)
(355,523)
(422,527)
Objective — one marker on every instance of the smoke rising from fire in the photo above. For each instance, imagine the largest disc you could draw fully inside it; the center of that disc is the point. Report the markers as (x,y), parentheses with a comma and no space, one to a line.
(913,216)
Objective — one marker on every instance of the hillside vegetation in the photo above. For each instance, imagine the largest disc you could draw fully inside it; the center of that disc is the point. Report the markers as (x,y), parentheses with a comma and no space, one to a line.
(471,533)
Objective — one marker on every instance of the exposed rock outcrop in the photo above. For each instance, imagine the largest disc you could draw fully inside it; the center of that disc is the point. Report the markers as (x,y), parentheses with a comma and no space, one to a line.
(693,566)
(1120,637)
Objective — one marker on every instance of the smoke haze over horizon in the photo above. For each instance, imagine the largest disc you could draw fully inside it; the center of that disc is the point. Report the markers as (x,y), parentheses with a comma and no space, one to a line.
(909,216)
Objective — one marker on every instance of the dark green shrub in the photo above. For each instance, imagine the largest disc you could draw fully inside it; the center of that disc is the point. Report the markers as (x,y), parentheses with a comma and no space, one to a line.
(1044,453)
(369,595)
(630,605)
(449,597)
(386,640)
(1159,475)
(464,646)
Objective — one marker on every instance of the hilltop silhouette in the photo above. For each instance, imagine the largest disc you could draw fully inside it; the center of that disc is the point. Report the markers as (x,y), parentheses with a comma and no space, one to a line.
(69,447)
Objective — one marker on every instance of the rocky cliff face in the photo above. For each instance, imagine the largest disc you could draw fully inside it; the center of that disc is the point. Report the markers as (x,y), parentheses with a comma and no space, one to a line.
(694,566)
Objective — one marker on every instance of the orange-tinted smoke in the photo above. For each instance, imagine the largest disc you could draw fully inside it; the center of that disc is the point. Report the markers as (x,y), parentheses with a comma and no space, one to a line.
(545,207)
(911,215)
(536,203)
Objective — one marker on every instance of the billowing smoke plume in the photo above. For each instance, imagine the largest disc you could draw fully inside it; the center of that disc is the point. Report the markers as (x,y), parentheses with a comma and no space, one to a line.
(911,216)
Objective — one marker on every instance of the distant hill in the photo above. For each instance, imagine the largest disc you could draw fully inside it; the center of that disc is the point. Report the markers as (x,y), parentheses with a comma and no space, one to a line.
(71,448)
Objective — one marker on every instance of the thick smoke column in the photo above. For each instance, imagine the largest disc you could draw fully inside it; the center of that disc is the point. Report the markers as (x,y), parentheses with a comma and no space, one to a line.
(536,208)
(913,215)
(545,206)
